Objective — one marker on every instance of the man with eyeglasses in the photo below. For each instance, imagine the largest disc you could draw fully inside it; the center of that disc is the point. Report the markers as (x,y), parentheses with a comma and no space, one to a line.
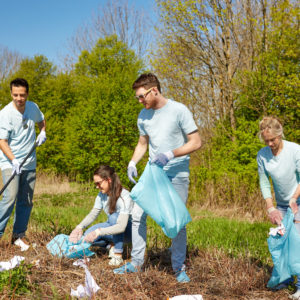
(17,138)
(169,129)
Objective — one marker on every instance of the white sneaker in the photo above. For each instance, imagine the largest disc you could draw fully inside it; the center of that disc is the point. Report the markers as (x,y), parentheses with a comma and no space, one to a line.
(116,261)
(111,252)
(295,296)
(19,242)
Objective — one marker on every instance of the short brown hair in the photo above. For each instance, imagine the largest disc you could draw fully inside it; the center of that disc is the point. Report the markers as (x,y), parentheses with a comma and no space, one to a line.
(147,81)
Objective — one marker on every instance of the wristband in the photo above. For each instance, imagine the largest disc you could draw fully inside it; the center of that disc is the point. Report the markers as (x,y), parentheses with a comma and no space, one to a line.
(271,209)
(131,164)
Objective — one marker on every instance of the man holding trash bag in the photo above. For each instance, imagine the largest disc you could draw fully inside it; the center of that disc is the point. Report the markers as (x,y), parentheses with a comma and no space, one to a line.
(17,139)
(169,129)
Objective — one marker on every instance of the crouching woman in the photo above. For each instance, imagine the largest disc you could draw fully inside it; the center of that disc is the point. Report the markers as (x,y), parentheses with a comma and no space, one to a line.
(115,201)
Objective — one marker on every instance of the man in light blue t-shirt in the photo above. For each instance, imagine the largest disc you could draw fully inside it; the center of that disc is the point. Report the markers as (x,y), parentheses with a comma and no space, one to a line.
(17,138)
(169,129)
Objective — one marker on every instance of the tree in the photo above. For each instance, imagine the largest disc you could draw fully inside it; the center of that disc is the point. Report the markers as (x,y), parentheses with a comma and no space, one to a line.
(131,25)
(9,62)
(102,125)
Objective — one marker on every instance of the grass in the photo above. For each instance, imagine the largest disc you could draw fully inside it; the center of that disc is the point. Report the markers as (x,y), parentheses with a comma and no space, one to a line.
(228,256)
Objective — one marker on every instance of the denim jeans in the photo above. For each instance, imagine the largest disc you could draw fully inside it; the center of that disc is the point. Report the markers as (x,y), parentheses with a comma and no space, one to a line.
(19,191)
(283,210)
(117,239)
(139,230)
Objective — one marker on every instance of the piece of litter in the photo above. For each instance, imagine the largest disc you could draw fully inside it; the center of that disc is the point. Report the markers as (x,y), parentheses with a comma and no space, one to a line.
(34,245)
(21,244)
(14,262)
(187,297)
(280,229)
(90,287)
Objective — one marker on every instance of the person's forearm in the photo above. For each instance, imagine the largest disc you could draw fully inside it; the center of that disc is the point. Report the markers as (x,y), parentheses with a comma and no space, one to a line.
(269,203)
(42,125)
(193,144)
(297,193)
(119,227)
(4,147)
(139,152)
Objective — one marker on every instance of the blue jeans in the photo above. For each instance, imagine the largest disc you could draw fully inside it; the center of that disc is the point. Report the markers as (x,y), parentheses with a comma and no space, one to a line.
(139,230)
(19,191)
(283,210)
(117,239)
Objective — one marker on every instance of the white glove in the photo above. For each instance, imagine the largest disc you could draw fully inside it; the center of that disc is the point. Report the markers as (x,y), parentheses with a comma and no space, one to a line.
(161,159)
(293,205)
(275,215)
(76,235)
(41,139)
(16,167)
(132,171)
(90,237)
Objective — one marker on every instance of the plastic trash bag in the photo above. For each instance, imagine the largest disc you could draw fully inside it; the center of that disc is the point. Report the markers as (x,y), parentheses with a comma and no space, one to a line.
(155,194)
(61,246)
(285,252)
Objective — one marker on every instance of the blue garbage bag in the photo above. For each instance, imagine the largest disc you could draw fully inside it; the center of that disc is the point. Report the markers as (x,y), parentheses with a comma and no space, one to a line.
(155,194)
(285,252)
(61,246)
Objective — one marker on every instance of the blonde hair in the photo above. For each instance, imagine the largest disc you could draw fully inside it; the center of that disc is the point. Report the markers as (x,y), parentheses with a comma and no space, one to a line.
(270,124)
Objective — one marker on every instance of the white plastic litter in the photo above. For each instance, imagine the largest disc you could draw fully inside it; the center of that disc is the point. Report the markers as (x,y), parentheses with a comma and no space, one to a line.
(90,287)
(21,244)
(187,297)
(280,229)
(14,262)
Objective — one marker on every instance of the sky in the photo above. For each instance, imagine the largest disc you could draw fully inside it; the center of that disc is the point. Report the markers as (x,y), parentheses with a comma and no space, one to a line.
(44,27)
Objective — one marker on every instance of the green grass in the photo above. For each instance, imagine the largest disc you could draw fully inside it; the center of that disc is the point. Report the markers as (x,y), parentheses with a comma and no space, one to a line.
(61,213)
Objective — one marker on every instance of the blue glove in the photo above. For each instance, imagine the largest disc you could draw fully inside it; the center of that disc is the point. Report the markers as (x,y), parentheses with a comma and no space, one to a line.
(16,167)
(132,171)
(41,139)
(161,159)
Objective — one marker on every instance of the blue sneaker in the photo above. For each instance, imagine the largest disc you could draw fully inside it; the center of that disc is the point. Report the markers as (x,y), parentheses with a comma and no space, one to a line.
(127,268)
(182,277)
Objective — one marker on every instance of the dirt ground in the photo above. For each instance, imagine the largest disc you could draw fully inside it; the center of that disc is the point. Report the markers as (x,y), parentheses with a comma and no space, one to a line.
(213,275)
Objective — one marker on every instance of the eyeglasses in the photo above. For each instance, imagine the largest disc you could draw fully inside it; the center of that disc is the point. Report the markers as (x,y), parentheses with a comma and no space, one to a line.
(24,120)
(143,96)
(99,183)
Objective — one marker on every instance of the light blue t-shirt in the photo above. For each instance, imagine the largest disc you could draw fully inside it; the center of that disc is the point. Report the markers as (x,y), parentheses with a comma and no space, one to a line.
(284,169)
(167,129)
(124,203)
(19,130)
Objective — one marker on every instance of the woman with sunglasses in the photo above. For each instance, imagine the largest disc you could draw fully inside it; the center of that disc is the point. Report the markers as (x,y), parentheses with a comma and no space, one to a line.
(115,201)
(280,161)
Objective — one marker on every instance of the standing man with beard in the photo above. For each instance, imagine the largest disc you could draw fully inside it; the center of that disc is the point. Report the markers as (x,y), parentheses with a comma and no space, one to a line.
(168,128)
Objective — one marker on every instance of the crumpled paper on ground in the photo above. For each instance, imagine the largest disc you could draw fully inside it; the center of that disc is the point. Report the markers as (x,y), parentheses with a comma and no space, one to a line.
(14,262)
(187,297)
(280,229)
(90,287)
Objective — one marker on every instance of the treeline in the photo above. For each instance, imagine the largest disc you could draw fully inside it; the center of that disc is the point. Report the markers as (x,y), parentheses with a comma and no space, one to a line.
(230,62)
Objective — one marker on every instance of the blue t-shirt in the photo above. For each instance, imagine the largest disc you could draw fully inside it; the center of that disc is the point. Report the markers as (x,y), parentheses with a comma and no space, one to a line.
(284,169)
(19,130)
(167,129)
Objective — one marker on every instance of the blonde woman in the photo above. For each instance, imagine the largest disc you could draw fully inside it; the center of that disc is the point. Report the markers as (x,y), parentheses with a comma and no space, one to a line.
(280,161)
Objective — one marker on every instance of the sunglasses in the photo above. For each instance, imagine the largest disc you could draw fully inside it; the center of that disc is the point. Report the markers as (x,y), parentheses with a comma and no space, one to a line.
(143,96)
(99,183)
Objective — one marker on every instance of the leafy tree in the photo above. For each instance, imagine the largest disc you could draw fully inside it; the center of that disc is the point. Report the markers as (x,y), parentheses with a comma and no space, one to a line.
(101,126)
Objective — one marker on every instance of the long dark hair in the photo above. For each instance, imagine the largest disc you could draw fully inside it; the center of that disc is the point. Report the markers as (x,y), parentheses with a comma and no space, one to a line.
(106,172)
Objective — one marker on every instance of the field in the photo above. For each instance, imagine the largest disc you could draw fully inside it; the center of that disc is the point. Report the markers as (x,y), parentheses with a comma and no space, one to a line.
(227,254)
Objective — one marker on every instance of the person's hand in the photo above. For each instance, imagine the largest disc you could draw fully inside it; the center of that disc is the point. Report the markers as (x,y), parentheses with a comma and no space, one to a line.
(90,237)
(161,159)
(293,205)
(132,171)
(16,167)
(75,235)
(41,139)
(275,215)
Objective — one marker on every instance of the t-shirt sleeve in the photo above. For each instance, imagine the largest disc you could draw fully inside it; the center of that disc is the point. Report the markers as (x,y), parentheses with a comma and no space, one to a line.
(98,203)
(264,181)
(38,115)
(297,161)
(141,127)
(5,126)
(186,120)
